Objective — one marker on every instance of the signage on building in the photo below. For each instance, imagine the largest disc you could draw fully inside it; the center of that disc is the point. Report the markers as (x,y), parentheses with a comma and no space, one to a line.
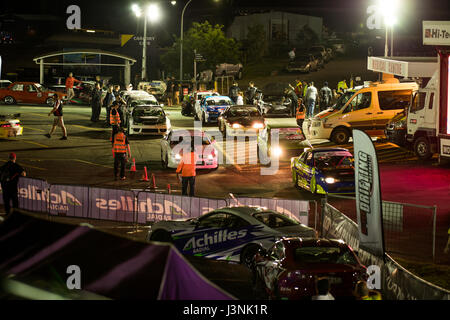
(399,68)
(436,33)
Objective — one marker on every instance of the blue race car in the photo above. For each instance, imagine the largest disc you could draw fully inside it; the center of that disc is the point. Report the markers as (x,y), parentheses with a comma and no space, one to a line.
(234,233)
(324,170)
(211,107)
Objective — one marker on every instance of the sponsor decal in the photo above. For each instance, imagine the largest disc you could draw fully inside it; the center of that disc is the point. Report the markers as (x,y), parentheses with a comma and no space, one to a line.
(365,187)
(58,201)
(202,243)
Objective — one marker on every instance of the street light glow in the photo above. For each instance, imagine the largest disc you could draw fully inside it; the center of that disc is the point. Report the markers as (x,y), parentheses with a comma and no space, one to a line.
(153,13)
(137,10)
(388,10)
(173,2)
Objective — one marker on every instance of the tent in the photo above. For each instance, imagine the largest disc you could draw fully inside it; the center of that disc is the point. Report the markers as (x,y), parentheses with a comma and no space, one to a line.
(39,252)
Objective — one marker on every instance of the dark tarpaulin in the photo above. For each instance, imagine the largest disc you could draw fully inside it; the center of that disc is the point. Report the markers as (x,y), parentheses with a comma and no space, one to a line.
(39,252)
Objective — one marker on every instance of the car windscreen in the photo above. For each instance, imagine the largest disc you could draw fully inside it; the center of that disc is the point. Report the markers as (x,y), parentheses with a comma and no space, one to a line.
(145,101)
(342,100)
(177,139)
(244,112)
(338,255)
(333,160)
(218,102)
(274,220)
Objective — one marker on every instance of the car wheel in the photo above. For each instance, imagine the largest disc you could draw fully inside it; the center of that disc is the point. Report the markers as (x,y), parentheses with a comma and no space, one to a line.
(9,100)
(422,148)
(340,136)
(248,254)
(313,185)
(161,236)
(50,102)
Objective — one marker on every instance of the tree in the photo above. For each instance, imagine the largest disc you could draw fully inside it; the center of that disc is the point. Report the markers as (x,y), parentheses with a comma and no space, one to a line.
(256,43)
(209,41)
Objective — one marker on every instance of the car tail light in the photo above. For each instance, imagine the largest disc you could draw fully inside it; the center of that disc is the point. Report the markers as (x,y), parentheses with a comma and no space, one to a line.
(5,126)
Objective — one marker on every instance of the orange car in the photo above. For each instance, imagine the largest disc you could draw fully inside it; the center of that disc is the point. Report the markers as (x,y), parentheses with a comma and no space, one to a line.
(28,92)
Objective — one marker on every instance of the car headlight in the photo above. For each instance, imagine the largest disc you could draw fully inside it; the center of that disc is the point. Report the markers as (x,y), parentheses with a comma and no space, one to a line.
(236,125)
(277,151)
(210,156)
(258,125)
(177,156)
(399,124)
(330,180)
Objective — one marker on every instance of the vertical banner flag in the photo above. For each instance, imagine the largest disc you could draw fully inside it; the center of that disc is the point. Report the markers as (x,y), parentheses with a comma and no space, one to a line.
(368,194)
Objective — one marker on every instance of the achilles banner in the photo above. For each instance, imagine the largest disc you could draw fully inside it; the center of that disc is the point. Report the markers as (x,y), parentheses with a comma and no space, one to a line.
(368,195)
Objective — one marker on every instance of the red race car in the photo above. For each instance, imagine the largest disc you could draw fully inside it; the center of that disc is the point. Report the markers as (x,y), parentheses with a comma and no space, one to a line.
(28,92)
(290,269)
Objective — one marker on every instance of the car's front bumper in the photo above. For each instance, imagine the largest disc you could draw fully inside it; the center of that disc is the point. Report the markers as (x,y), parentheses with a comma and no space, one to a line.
(148,129)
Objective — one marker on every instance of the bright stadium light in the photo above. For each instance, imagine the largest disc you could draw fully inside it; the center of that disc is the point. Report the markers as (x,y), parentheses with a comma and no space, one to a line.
(153,13)
(388,9)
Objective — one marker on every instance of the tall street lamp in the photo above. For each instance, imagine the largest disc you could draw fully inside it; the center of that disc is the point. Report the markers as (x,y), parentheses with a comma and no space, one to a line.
(388,9)
(151,12)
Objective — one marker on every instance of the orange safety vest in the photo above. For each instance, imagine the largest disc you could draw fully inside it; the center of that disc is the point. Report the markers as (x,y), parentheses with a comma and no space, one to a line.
(300,114)
(114,119)
(119,143)
(187,165)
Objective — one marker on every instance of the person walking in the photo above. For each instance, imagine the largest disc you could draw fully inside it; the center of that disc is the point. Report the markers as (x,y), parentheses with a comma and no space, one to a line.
(187,169)
(362,292)
(114,119)
(107,102)
(323,290)
(250,94)
(325,96)
(234,92)
(70,80)
(58,119)
(120,149)
(311,97)
(96,97)
(10,173)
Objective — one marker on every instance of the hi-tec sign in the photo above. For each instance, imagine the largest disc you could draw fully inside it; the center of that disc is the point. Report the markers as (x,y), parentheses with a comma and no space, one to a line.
(436,33)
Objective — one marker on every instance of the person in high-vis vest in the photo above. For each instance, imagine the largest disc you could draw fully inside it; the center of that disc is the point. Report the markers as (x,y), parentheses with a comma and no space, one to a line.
(114,119)
(120,149)
(342,85)
(187,169)
(363,293)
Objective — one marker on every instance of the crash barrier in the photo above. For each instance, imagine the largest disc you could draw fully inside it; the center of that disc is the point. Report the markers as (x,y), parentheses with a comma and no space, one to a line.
(134,206)
(396,282)
(409,229)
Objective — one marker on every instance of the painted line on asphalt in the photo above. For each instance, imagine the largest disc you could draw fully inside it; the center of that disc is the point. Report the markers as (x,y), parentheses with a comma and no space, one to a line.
(30,128)
(35,143)
(27,166)
(96,164)
(89,128)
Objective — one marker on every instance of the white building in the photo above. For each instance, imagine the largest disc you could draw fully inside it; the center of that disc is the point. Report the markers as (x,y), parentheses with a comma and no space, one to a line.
(278,25)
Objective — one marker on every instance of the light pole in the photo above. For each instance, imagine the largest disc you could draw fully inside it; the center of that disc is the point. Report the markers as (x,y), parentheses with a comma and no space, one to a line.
(388,9)
(181,40)
(151,13)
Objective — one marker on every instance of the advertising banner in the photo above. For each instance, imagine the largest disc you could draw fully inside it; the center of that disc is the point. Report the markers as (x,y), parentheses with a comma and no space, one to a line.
(33,194)
(71,201)
(111,204)
(436,33)
(368,194)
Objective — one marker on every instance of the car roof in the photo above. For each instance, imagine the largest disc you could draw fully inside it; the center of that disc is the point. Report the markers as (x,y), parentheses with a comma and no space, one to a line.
(218,97)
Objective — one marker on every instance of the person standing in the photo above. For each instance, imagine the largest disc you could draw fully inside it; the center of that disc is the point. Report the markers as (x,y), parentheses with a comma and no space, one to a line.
(69,86)
(240,99)
(121,148)
(311,97)
(114,119)
(58,119)
(96,97)
(342,86)
(176,97)
(298,88)
(187,169)
(107,102)
(325,95)
(250,94)
(10,173)
(234,92)
(292,54)
(99,81)
(120,101)
(323,290)
(169,92)
(292,97)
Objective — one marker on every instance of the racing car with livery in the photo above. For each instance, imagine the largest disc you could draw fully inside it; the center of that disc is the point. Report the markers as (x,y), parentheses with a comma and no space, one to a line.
(211,107)
(231,233)
(324,170)
(241,120)
(290,268)
(10,126)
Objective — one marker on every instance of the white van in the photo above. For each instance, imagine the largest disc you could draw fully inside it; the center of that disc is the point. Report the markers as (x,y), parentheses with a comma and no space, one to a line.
(369,109)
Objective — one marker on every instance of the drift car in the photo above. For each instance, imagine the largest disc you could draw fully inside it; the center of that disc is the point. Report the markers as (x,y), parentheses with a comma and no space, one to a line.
(273,102)
(324,170)
(241,120)
(10,125)
(172,149)
(29,92)
(290,268)
(211,107)
(233,234)
(146,119)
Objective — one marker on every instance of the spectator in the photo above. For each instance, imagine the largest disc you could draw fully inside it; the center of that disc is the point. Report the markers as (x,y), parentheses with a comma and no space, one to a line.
(176,96)
(109,99)
(120,149)
(250,94)
(96,97)
(240,99)
(326,95)
(234,92)
(293,100)
(120,101)
(323,290)
(311,97)
(99,81)
(9,175)
(298,88)
(114,119)
(58,119)
(292,54)
(363,293)
(169,92)
(187,169)
(342,86)
(69,86)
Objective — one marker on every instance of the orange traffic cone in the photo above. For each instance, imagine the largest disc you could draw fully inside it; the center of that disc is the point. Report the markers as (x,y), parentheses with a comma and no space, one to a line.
(169,190)
(145,176)
(153,181)
(133,166)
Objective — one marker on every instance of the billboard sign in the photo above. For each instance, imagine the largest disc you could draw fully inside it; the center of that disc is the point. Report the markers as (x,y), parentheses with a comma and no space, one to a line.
(436,33)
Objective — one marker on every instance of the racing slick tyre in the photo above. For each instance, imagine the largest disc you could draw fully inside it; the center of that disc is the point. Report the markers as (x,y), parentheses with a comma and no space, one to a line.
(9,100)
(50,102)
(248,254)
(161,236)
(313,185)
(422,148)
(340,136)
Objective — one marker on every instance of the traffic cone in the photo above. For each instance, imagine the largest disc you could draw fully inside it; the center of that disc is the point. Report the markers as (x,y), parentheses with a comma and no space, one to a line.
(153,181)
(145,176)
(133,166)
(169,190)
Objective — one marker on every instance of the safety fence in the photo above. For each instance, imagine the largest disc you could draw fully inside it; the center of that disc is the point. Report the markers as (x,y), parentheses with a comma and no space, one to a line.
(409,229)
(135,206)
(396,283)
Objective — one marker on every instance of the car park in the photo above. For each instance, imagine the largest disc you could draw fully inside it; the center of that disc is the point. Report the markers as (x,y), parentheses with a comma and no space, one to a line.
(290,269)
(29,92)
(174,144)
(231,233)
(302,63)
(241,120)
(324,171)
(10,125)
(211,107)
(273,101)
